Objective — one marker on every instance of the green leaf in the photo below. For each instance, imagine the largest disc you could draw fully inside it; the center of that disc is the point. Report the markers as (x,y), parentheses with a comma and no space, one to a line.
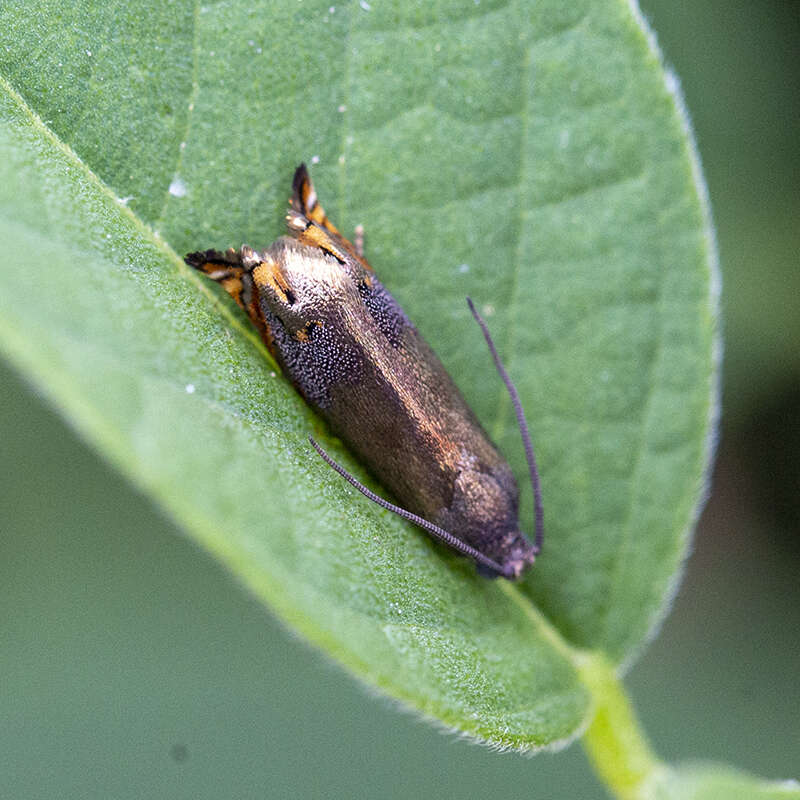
(528,154)
(718,782)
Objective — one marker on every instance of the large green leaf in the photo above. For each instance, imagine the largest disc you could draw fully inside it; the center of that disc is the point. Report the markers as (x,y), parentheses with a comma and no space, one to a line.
(529,154)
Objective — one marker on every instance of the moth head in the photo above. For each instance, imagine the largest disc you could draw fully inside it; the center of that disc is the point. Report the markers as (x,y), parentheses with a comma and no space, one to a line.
(299,284)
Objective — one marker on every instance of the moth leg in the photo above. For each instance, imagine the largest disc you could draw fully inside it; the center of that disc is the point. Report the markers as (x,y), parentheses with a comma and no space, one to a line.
(486,566)
(523,429)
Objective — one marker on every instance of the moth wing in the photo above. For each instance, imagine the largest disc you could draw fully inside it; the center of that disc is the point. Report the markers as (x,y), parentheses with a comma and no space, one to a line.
(304,201)
(225,268)
(232,270)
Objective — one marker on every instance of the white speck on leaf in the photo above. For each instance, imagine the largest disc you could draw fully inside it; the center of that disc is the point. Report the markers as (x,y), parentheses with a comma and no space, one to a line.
(672,82)
(315,159)
(177,188)
(365,5)
(463,268)
(189,388)
(342,108)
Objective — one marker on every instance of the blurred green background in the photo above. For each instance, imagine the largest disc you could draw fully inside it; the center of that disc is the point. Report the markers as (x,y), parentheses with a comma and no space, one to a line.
(133,666)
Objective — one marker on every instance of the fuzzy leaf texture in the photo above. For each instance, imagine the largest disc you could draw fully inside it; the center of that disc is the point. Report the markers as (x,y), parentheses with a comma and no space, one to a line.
(530,154)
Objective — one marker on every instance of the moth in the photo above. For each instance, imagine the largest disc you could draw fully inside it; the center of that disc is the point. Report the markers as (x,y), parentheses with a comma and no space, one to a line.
(354,355)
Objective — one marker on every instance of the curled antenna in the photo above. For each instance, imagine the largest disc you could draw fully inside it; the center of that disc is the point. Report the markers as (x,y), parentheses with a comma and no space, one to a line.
(523,429)
(434,530)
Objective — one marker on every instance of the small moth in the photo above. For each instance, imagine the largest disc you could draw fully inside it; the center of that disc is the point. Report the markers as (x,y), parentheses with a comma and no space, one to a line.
(353,354)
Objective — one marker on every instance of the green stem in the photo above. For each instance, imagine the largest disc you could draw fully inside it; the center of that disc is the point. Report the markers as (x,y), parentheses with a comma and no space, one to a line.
(615,742)
(617,746)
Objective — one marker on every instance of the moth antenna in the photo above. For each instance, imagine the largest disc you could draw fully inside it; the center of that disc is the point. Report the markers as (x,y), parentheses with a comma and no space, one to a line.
(434,530)
(523,429)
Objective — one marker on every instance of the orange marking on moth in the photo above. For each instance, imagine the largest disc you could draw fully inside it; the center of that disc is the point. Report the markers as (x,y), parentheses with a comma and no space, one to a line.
(311,208)
(318,237)
(268,273)
(233,286)
(303,334)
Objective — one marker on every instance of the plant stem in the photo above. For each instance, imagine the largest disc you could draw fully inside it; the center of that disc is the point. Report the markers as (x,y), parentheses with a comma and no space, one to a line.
(615,742)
